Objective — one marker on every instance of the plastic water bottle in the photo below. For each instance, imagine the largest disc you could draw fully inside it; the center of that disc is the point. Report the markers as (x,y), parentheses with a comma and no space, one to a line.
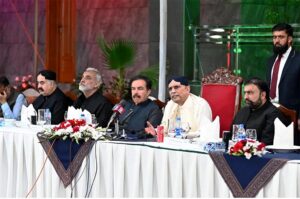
(241,135)
(178,129)
(82,117)
(48,117)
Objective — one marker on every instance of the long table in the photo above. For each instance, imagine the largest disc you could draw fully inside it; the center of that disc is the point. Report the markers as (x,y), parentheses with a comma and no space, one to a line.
(128,169)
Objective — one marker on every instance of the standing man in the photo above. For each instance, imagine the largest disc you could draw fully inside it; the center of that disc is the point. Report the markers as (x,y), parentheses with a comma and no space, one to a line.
(283,69)
(189,107)
(259,113)
(51,97)
(139,109)
(11,101)
(91,99)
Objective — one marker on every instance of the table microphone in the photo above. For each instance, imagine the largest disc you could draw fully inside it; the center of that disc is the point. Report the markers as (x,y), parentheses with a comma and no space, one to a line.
(118,109)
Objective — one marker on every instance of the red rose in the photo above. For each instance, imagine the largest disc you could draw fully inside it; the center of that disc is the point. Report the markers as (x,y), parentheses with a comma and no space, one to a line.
(75,129)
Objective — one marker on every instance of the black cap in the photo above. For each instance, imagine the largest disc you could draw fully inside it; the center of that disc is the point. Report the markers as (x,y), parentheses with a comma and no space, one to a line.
(48,74)
(182,79)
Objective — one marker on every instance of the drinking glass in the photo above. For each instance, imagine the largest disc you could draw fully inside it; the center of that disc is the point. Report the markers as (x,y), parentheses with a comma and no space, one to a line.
(185,129)
(94,120)
(251,134)
(171,128)
(235,129)
(66,115)
(41,117)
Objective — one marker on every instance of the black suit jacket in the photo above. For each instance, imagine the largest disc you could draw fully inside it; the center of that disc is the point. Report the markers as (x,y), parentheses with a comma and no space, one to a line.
(289,84)
(96,104)
(57,102)
(261,119)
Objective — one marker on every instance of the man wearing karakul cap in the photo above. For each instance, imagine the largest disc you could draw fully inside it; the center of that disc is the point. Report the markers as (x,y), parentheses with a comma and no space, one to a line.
(51,97)
(189,107)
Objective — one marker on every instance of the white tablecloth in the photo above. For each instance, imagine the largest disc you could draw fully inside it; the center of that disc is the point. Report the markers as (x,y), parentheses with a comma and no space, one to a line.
(122,170)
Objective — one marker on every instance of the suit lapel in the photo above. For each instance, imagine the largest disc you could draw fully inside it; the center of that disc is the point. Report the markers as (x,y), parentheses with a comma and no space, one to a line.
(287,64)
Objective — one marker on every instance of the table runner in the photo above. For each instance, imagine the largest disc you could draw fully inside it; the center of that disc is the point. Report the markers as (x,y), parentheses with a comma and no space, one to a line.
(66,156)
(246,177)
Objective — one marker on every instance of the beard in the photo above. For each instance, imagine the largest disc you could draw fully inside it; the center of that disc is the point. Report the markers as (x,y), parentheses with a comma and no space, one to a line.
(279,50)
(254,105)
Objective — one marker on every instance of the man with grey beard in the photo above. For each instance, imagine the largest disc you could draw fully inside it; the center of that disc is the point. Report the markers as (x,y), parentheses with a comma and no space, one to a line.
(91,99)
(51,97)
(259,113)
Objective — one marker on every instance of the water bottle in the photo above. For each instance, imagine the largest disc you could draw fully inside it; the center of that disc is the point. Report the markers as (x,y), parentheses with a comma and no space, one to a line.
(241,135)
(48,117)
(178,129)
(82,117)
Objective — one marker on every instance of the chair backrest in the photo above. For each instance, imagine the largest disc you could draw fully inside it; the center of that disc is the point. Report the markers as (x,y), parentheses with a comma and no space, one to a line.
(222,90)
(30,94)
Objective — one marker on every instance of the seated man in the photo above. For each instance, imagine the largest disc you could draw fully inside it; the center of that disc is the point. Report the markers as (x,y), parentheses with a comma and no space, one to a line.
(139,109)
(91,99)
(259,113)
(189,107)
(51,97)
(11,101)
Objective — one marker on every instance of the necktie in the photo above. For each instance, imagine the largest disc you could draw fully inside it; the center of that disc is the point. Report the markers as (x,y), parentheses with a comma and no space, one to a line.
(275,77)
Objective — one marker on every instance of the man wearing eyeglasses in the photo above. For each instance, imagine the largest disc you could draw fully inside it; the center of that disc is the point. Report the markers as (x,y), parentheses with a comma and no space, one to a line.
(283,69)
(51,97)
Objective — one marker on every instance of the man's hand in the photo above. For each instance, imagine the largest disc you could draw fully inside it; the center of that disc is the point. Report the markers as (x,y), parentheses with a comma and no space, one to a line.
(150,129)
(3,97)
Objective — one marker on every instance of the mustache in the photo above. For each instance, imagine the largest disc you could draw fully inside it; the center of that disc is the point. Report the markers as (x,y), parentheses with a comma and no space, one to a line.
(41,89)
(136,96)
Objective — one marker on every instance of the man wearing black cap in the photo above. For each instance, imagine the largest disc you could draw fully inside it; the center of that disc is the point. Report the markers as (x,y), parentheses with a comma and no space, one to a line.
(51,97)
(189,107)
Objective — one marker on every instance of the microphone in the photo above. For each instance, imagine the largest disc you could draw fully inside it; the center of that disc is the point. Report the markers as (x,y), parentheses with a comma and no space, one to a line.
(118,109)
(126,117)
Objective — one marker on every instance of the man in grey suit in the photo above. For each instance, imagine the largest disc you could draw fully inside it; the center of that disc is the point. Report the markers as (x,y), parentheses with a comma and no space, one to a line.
(284,80)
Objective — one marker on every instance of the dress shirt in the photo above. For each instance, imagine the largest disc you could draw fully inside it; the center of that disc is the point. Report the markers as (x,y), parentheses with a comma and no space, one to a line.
(16,112)
(281,66)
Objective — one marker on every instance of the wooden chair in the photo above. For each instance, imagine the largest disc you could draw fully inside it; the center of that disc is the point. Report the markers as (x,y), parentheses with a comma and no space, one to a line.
(222,90)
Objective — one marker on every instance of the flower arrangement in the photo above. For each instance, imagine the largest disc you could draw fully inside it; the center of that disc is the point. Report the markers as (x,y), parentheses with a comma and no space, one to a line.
(24,82)
(247,148)
(75,129)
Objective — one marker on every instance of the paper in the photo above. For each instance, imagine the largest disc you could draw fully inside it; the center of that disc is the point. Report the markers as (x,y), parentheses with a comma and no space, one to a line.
(26,113)
(283,136)
(76,113)
(209,131)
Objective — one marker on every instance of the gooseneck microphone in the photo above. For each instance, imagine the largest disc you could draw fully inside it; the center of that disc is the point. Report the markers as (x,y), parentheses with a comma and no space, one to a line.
(118,109)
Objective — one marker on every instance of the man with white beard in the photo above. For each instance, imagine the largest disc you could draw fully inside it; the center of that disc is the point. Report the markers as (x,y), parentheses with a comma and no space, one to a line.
(91,98)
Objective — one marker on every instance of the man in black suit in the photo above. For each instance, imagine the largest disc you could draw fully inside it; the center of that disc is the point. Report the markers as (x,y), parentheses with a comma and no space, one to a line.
(51,97)
(259,113)
(285,83)
(91,98)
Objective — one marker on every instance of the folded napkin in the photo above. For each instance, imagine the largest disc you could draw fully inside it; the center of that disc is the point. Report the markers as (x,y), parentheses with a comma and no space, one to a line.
(76,114)
(26,113)
(283,136)
(209,131)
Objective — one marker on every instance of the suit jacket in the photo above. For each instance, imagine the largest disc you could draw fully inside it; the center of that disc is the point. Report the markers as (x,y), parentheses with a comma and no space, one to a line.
(96,104)
(261,119)
(57,103)
(134,119)
(289,84)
